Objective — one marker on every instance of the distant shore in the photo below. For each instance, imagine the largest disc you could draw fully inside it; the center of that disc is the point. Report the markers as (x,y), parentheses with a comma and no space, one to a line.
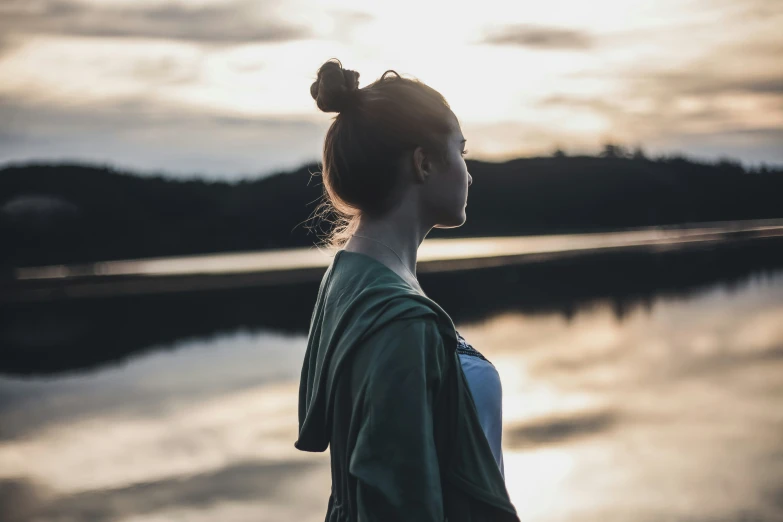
(306,265)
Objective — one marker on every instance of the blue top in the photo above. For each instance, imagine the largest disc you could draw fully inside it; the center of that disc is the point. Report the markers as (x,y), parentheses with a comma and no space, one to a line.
(484,383)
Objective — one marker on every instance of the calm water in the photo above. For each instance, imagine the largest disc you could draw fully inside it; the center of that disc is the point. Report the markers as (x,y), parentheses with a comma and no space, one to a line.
(474,249)
(672,412)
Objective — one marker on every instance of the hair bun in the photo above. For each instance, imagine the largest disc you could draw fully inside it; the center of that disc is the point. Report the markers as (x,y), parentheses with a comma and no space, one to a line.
(335,88)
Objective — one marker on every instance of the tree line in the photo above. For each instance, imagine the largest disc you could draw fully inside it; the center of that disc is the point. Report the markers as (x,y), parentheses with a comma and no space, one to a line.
(73,213)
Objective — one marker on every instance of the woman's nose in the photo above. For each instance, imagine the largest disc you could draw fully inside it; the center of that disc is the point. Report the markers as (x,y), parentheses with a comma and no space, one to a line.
(470,180)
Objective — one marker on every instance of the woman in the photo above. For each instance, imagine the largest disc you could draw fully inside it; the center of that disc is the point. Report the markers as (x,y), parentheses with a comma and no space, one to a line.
(410,412)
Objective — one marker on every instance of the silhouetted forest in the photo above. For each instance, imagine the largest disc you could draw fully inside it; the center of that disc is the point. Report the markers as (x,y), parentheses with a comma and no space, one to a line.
(79,213)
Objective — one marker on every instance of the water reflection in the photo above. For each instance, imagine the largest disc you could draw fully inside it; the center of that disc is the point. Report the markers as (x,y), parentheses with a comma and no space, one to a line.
(74,335)
(167,378)
(670,411)
(171,434)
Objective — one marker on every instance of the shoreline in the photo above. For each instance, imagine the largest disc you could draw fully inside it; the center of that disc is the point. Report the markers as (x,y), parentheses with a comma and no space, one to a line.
(306,265)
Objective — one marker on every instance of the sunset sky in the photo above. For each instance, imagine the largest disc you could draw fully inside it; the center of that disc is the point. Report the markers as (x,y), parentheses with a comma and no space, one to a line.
(219,88)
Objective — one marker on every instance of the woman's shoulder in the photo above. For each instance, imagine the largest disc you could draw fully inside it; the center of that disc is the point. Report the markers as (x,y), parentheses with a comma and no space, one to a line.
(410,334)
(407,344)
(365,288)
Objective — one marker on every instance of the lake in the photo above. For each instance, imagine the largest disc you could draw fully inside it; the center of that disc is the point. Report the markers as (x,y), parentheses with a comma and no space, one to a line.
(641,388)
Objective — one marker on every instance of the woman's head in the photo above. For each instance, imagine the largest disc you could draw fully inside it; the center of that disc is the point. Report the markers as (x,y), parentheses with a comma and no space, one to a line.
(392,138)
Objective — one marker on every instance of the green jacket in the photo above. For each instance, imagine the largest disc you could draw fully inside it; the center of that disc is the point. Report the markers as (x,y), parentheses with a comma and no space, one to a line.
(383,387)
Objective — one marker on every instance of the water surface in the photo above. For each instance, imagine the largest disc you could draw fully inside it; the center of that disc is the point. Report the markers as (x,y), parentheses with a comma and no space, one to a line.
(671,411)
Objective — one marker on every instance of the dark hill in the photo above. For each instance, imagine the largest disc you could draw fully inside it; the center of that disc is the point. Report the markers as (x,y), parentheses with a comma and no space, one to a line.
(77,213)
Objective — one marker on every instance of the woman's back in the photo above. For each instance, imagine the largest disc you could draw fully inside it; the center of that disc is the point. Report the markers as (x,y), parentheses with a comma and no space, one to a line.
(380,385)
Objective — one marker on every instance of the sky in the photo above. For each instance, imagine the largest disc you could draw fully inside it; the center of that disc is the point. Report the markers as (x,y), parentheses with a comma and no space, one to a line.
(220,88)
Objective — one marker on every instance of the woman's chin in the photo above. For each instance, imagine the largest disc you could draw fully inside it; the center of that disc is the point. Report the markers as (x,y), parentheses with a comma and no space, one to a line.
(457,221)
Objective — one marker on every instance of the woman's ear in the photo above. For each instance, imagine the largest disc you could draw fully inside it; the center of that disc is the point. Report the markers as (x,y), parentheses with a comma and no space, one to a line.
(422,164)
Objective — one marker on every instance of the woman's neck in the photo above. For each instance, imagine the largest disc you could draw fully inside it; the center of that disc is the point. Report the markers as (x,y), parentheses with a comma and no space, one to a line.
(369,247)
(399,234)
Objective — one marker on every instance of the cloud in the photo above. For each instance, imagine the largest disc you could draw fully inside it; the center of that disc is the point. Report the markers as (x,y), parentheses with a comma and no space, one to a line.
(745,10)
(706,83)
(7,44)
(726,101)
(166,70)
(18,498)
(145,135)
(749,66)
(708,130)
(540,37)
(239,21)
(346,22)
(752,146)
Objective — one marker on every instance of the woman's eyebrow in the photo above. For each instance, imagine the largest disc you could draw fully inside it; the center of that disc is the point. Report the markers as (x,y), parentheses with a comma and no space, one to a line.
(463,140)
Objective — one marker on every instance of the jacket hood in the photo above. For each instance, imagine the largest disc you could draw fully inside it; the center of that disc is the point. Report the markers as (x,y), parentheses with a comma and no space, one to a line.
(357,296)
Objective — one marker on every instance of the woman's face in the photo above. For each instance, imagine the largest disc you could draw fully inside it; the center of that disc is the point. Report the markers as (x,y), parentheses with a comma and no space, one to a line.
(446,189)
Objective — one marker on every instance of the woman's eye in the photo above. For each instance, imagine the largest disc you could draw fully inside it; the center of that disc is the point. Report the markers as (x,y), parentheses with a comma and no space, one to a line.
(464,152)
